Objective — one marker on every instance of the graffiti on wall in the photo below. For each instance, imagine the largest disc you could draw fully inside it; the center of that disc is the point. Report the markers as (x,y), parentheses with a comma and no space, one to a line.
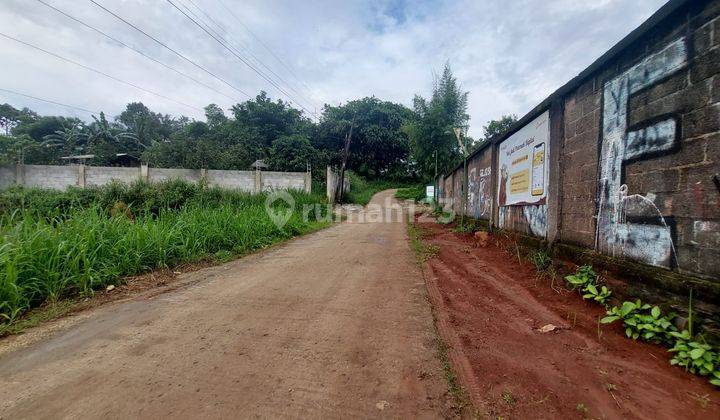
(619,232)
(479,192)
(531,219)
(536,217)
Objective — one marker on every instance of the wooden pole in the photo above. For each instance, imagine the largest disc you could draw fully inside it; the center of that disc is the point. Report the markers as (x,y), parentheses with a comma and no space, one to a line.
(346,152)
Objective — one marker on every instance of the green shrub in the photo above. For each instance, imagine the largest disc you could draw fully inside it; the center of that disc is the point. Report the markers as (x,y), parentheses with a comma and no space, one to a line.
(586,280)
(695,357)
(45,259)
(642,321)
(415,193)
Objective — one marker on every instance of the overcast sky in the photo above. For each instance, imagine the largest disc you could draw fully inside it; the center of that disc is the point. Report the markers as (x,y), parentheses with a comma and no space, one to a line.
(509,54)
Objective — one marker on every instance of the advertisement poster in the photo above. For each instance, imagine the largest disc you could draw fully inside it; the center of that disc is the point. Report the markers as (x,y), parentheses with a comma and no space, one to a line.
(523,174)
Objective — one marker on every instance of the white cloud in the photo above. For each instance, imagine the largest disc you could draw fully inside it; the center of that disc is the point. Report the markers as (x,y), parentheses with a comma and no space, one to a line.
(509,54)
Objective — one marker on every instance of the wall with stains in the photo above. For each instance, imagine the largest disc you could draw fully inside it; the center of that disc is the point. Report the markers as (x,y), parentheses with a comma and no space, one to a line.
(637,152)
(457,190)
(447,189)
(641,150)
(480,191)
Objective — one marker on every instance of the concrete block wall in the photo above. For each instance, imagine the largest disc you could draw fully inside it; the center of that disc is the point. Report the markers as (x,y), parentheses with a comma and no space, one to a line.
(634,149)
(7,176)
(97,176)
(48,176)
(448,192)
(166,174)
(61,177)
(243,180)
(283,180)
(480,191)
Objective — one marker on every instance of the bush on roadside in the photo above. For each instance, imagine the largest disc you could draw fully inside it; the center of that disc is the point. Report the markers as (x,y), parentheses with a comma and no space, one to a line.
(49,253)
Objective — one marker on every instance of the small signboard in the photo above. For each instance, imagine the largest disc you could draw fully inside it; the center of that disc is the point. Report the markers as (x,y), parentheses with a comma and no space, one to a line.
(430,192)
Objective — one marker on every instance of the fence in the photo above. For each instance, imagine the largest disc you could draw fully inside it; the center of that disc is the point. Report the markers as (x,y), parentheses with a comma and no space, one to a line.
(622,162)
(61,177)
(333,178)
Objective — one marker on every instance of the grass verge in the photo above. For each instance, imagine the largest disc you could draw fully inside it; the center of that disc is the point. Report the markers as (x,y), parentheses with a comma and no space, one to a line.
(423,252)
(88,246)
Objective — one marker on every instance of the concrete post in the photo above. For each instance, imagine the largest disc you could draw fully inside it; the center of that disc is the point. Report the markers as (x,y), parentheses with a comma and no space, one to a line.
(308,180)
(144,172)
(330,185)
(81,176)
(203,178)
(20,174)
(258,181)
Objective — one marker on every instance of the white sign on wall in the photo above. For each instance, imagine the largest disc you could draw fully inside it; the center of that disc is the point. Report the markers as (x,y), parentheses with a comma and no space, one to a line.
(430,191)
(523,168)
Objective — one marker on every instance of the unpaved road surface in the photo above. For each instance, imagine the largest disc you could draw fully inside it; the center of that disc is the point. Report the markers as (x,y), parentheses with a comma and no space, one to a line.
(334,324)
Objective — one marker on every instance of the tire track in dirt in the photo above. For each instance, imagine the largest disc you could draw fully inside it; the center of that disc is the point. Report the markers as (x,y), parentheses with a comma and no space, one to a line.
(334,324)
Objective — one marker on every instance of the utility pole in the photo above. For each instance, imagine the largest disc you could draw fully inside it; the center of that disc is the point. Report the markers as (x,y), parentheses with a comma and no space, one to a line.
(346,152)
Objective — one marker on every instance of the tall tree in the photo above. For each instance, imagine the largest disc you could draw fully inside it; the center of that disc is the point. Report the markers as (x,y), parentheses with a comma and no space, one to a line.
(431,132)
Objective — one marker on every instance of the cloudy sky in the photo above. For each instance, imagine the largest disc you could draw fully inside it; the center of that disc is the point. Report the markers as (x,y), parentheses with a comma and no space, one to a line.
(509,54)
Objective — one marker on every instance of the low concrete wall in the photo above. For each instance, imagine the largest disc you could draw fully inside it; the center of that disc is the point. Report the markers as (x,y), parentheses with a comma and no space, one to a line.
(61,177)
(333,178)
(243,180)
(98,175)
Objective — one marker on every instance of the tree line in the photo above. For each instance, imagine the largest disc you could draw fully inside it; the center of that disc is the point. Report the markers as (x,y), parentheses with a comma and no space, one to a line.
(388,140)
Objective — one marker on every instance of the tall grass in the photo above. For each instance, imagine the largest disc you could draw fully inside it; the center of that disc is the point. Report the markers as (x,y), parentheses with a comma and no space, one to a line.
(415,193)
(362,190)
(47,254)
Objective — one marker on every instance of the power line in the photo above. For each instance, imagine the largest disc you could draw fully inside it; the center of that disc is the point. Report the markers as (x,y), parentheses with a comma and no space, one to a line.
(162,44)
(59,57)
(87,25)
(50,101)
(282,62)
(237,55)
(247,49)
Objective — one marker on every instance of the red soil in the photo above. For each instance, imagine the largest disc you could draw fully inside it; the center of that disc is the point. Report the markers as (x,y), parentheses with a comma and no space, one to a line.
(489,309)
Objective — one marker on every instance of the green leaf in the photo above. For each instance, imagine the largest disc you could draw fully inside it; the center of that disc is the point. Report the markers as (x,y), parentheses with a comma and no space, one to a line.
(655,312)
(609,319)
(628,332)
(696,353)
(626,308)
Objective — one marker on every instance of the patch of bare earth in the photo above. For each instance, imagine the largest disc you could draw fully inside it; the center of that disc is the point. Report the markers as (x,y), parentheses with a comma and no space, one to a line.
(490,309)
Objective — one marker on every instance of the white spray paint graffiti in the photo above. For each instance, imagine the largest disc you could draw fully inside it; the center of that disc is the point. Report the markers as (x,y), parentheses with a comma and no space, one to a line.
(479,195)
(650,243)
(659,137)
(536,217)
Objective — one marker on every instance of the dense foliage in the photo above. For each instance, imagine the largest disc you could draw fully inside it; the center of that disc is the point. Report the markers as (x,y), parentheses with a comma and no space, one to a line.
(256,129)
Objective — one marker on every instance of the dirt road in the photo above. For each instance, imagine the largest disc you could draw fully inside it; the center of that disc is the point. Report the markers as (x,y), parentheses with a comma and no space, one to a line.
(334,324)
